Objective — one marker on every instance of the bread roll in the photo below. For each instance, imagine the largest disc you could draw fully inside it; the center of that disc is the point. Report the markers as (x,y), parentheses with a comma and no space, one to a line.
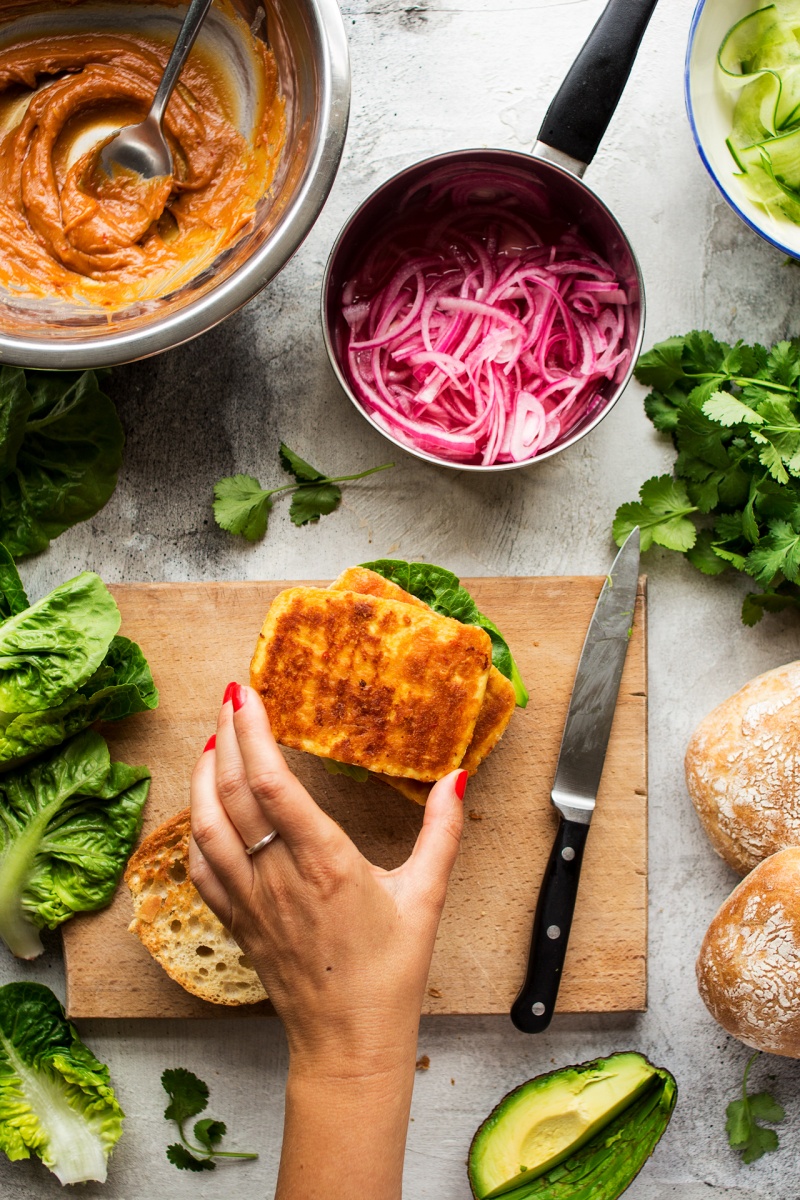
(743,770)
(748,971)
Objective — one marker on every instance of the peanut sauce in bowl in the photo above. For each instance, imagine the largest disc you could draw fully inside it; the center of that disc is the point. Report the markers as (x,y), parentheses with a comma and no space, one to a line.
(96,271)
(67,230)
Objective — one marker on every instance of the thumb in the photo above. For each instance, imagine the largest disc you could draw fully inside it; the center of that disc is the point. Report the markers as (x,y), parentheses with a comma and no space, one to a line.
(437,845)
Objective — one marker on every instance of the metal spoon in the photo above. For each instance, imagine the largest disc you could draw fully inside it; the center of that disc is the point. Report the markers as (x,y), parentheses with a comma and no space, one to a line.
(143,148)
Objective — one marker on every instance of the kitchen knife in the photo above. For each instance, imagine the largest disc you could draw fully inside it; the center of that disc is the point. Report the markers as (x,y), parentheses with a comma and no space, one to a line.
(580,766)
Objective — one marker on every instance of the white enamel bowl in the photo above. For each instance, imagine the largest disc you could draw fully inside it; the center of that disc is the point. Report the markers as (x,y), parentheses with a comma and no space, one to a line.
(710,108)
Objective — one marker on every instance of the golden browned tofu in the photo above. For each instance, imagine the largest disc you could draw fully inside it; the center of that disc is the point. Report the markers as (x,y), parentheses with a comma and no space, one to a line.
(497,709)
(376,683)
(370,583)
(412,789)
(498,702)
(498,706)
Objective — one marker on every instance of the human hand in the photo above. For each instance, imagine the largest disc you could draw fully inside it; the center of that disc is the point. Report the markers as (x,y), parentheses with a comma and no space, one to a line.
(343,947)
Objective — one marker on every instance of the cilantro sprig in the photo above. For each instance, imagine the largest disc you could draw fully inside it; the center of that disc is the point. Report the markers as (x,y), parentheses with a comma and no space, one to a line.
(188,1097)
(745,1134)
(242,506)
(733,499)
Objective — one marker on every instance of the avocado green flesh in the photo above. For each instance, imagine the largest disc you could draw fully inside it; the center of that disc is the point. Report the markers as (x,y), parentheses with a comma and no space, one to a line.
(606,1166)
(543,1128)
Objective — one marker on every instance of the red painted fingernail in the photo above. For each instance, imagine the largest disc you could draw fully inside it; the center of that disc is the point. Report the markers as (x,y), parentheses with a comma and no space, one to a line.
(211,743)
(238,696)
(229,690)
(461,784)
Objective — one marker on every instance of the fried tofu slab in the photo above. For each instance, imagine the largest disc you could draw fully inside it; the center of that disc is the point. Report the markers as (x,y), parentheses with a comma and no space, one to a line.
(370,583)
(374,682)
(498,702)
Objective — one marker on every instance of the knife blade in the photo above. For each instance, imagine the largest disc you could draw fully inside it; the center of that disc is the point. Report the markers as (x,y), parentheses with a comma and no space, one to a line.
(577,779)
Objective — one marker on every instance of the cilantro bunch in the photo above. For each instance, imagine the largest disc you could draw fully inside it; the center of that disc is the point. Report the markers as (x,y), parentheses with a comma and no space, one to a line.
(744,1116)
(733,500)
(188,1097)
(242,506)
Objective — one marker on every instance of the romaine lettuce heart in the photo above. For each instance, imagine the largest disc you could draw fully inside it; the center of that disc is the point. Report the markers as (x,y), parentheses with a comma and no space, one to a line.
(13,599)
(121,685)
(49,650)
(68,824)
(56,1099)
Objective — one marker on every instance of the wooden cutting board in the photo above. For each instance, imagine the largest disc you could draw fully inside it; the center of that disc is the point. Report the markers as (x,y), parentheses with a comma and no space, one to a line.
(198,636)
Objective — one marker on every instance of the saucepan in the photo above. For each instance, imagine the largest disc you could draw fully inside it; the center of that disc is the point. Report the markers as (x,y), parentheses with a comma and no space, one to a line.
(550,180)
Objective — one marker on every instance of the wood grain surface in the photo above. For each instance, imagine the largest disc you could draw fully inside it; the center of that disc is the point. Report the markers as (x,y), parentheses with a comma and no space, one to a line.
(199,636)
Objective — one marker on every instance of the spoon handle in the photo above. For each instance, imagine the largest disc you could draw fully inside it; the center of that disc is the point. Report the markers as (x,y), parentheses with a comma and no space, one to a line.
(187,34)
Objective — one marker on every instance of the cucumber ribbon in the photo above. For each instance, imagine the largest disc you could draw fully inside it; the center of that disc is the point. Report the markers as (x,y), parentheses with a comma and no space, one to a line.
(760,59)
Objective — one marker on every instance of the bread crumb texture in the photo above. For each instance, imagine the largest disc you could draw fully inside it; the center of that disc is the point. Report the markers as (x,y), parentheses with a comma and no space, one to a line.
(181,932)
(748,970)
(743,770)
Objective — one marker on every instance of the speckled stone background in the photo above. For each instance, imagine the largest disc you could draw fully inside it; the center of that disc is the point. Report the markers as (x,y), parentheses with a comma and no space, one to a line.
(428,78)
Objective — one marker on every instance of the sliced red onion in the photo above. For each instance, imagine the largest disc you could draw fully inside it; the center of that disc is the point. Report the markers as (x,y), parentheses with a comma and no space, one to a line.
(479,339)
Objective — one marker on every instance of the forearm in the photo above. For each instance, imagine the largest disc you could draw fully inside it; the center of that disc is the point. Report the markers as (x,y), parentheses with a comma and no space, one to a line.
(343,949)
(345,1137)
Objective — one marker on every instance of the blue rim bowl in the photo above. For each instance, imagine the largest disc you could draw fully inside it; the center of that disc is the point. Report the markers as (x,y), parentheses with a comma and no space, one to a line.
(710,110)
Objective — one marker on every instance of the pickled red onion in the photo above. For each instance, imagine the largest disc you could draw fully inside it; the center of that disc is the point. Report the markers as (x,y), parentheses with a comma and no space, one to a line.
(467,346)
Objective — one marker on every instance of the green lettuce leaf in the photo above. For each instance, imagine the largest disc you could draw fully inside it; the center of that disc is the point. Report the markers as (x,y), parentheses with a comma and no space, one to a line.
(334,767)
(68,824)
(441,590)
(121,685)
(61,447)
(16,403)
(13,599)
(124,672)
(56,1099)
(56,645)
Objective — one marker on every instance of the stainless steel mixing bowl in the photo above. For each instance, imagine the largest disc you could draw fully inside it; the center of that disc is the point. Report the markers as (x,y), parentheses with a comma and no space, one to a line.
(310,45)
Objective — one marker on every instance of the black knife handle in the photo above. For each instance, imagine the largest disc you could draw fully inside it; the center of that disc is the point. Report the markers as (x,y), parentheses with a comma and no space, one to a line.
(533,1008)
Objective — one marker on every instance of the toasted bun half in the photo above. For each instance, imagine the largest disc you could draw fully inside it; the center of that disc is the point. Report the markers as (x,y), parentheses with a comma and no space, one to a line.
(748,971)
(743,769)
(178,928)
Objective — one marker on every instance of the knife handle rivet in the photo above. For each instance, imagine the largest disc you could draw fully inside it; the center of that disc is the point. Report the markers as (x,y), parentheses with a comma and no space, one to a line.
(537,1009)
(553,932)
(568,854)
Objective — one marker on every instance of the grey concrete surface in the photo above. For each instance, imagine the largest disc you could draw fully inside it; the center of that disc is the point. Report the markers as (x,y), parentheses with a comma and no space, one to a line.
(428,77)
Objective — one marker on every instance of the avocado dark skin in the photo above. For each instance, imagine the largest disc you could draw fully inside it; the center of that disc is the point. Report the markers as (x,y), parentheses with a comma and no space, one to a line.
(600,1146)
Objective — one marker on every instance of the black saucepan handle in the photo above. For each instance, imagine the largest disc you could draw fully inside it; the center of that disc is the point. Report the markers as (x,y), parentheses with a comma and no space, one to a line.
(533,1008)
(585,103)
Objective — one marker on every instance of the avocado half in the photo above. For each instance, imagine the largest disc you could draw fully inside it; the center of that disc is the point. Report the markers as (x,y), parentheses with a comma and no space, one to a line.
(581,1132)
